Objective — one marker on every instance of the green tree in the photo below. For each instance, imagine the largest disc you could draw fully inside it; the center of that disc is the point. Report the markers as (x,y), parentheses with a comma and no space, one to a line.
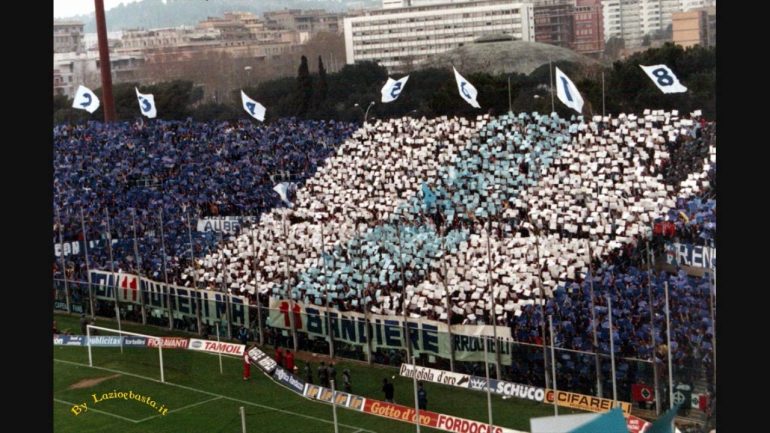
(323,86)
(304,88)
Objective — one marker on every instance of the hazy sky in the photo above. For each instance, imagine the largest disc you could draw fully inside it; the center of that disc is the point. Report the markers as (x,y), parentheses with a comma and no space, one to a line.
(68,8)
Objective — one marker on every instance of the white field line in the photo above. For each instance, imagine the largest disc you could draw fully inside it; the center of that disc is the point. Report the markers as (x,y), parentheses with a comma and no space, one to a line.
(215,395)
(180,409)
(98,411)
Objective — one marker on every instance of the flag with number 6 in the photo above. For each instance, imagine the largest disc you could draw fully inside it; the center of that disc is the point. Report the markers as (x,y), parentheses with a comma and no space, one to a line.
(567,92)
(85,99)
(466,89)
(664,78)
(254,108)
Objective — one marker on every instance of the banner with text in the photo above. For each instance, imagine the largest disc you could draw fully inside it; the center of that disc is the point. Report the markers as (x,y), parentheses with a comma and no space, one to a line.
(261,360)
(388,332)
(696,256)
(289,380)
(184,300)
(217,347)
(585,402)
(224,224)
(77,248)
(499,387)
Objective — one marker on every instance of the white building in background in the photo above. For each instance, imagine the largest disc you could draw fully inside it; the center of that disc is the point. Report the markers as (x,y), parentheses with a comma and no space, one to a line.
(67,36)
(74,69)
(389,4)
(697,4)
(633,19)
(399,37)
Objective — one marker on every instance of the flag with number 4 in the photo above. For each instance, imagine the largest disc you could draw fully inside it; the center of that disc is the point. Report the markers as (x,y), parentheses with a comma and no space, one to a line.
(254,108)
(85,99)
(664,78)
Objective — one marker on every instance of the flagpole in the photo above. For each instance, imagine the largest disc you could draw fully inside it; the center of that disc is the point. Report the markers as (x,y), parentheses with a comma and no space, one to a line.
(256,287)
(114,277)
(712,296)
(403,288)
(195,278)
(603,114)
(713,336)
(288,291)
(416,404)
(165,270)
(612,353)
(542,310)
(652,331)
(510,110)
(448,306)
(138,264)
(550,81)
(593,320)
(489,393)
(88,265)
(553,367)
(63,263)
(493,316)
(326,298)
(668,340)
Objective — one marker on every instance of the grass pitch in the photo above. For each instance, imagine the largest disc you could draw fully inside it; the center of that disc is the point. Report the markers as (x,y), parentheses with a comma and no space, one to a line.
(197,398)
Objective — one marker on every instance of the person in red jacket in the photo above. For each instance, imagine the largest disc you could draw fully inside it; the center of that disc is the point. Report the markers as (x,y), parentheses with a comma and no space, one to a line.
(288,361)
(246,366)
(279,356)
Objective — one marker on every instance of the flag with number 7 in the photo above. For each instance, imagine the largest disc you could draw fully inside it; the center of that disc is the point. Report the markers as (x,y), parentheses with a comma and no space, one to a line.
(254,108)
(664,78)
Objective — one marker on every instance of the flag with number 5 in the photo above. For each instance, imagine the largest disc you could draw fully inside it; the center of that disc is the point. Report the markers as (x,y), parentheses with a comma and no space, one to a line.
(254,108)
(664,78)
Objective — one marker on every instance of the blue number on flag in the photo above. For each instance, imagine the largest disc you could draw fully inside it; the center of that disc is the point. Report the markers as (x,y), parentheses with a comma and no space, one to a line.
(146,105)
(251,106)
(394,92)
(465,92)
(566,88)
(662,76)
(87,103)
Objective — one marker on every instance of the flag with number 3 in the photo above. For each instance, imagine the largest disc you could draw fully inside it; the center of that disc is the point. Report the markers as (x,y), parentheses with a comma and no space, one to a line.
(664,78)
(254,108)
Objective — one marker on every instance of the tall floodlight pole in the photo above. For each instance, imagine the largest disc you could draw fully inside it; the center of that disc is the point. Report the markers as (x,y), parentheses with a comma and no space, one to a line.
(104,62)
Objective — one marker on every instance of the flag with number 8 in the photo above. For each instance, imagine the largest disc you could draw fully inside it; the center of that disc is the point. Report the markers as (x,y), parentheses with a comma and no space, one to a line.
(664,78)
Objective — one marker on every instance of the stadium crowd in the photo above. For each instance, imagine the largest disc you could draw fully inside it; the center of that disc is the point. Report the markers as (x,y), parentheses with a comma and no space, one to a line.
(180,170)
(446,218)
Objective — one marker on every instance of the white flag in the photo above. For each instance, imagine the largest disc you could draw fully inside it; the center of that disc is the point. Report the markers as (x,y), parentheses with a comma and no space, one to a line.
(283,190)
(146,104)
(393,88)
(254,108)
(85,99)
(567,92)
(664,78)
(467,91)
